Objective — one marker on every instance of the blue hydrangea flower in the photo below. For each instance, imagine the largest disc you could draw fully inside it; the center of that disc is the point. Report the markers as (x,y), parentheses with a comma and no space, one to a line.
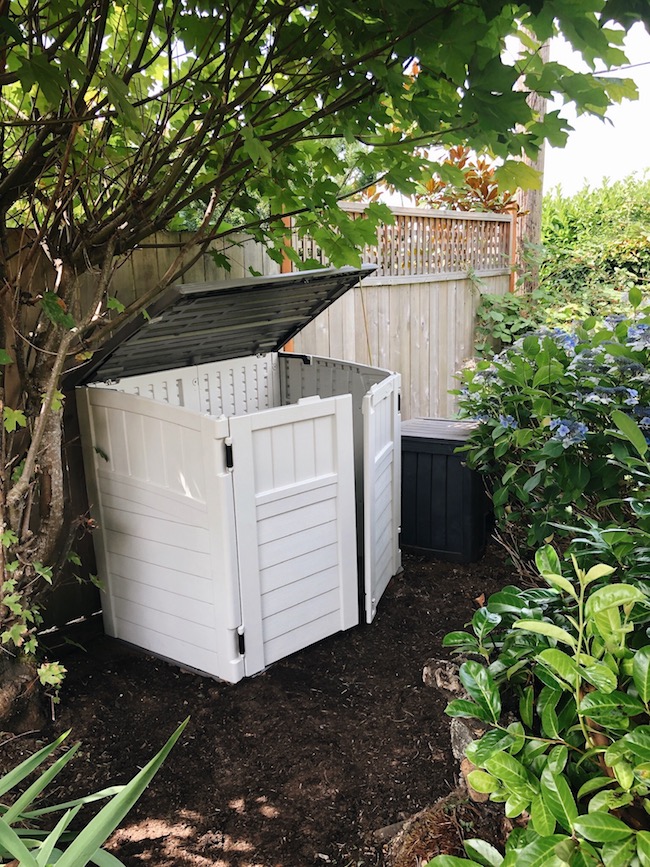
(568,431)
(565,339)
(638,336)
(612,321)
(507,421)
(633,397)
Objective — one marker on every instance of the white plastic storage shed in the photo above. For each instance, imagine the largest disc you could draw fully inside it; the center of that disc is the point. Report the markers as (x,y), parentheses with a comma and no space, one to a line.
(235,487)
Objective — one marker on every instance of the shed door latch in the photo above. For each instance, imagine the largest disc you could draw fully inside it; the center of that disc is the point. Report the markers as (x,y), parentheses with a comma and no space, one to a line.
(229,459)
(241,641)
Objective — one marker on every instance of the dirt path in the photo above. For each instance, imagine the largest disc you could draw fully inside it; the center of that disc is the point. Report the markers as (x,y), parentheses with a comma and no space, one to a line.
(295,767)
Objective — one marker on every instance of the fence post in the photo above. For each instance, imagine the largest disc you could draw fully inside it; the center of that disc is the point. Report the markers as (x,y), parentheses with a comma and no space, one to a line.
(513,210)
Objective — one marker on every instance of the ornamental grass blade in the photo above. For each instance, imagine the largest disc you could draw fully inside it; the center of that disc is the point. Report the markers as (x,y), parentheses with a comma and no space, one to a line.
(30,794)
(86,799)
(84,847)
(102,858)
(11,843)
(48,846)
(24,769)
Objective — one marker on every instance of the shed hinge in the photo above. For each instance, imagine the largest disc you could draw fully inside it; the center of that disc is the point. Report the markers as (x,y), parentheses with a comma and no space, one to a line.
(241,643)
(229,461)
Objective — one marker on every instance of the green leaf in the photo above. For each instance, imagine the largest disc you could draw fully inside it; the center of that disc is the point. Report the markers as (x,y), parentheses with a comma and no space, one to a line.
(482,782)
(601,828)
(483,853)
(613,596)
(13,418)
(459,639)
(638,741)
(5,358)
(54,308)
(557,759)
(546,708)
(631,430)
(593,785)
(643,847)
(598,674)
(450,861)
(25,768)
(461,707)
(84,846)
(481,750)
(541,627)
(641,673)
(511,771)
(547,560)
(541,817)
(609,708)
(540,853)
(619,853)
(11,842)
(635,296)
(558,797)
(526,705)
(601,570)
(47,848)
(562,664)
(480,686)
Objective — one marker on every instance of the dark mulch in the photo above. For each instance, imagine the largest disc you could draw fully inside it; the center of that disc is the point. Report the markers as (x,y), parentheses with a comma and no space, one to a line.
(298,766)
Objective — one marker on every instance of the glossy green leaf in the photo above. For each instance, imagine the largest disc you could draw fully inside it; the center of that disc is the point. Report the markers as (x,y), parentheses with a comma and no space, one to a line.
(599,675)
(593,785)
(526,706)
(492,742)
(542,627)
(481,688)
(619,853)
(638,742)
(643,847)
(483,853)
(513,773)
(641,673)
(562,665)
(546,708)
(542,819)
(482,782)
(602,828)
(461,707)
(557,759)
(631,430)
(449,861)
(558,797)
(610,707)
(541,852)
(613,596)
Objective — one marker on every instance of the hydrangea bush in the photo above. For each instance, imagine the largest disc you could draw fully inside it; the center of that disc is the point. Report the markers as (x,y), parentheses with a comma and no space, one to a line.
(546,436)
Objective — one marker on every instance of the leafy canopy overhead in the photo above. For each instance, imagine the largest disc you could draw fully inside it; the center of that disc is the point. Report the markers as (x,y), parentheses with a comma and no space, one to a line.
(117,116)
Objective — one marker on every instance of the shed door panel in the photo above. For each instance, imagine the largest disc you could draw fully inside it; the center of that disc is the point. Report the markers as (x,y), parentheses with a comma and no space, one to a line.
(293,480)
(381,475)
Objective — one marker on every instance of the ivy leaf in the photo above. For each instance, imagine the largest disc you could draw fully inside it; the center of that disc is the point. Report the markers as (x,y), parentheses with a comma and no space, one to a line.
(13,419)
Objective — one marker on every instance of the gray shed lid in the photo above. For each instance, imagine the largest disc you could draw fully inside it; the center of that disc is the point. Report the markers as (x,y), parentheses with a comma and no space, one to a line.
(197,323)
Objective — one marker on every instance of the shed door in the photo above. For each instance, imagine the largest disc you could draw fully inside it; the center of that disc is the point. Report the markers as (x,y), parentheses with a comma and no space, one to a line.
(293,481)
(381,482)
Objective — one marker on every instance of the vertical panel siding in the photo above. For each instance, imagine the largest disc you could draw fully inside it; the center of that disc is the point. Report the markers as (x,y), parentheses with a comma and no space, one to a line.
(423,330)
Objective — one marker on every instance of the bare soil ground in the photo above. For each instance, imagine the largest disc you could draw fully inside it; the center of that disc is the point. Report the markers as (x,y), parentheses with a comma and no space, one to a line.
(298,766)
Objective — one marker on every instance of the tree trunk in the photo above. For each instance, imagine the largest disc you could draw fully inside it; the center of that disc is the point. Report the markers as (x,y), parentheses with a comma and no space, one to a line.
(22,703)
(529,224)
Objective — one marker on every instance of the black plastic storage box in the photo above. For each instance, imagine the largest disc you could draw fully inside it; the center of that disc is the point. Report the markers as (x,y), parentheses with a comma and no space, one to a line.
(445,509)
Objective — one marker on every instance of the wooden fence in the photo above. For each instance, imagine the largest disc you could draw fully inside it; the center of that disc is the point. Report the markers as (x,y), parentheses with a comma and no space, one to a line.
(423,241)
(415,315)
